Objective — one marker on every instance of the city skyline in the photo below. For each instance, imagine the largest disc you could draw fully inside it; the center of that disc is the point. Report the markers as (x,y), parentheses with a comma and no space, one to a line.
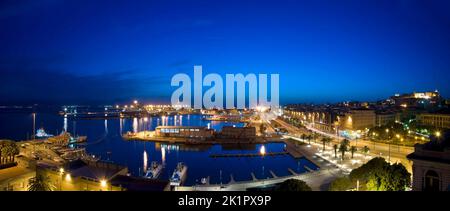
(62,52)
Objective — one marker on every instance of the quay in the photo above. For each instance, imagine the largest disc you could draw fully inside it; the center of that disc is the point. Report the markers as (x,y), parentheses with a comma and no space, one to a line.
(149,136)
(293,150)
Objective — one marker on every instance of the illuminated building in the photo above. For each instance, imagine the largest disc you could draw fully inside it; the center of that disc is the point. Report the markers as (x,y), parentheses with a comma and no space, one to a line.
(384,118)
(416,99)
(439,120)
(431,164)
(357,119)
(183,131)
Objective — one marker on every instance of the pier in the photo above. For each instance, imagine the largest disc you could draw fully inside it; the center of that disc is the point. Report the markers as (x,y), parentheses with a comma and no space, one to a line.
(314,179)
(293,150)
(292,171)
(248,155)
(253,176)
(273,174)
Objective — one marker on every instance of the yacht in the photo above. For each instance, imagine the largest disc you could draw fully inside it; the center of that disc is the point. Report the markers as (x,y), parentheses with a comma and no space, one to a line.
(154,171)
(40,133)
(179,175)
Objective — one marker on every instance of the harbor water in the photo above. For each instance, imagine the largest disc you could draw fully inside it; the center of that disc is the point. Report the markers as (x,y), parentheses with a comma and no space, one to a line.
(105,141)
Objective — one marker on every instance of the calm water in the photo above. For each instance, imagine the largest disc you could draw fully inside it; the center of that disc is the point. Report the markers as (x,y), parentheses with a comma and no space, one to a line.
(104,140)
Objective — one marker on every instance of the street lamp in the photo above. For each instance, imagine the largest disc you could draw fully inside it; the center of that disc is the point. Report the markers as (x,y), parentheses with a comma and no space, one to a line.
(438,134)
(103,183)
(61,172)
(68,178)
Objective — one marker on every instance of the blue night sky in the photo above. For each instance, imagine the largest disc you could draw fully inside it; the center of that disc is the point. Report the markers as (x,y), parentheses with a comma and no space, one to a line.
(325,51)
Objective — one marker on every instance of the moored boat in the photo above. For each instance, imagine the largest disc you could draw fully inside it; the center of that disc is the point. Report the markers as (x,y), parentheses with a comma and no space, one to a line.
(179,175)
(154,171)
(40,133)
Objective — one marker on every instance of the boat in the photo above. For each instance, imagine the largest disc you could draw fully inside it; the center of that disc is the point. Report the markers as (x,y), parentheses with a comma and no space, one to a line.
(40,133)
(179,175)
(204,181)
(78,139)
(154,171)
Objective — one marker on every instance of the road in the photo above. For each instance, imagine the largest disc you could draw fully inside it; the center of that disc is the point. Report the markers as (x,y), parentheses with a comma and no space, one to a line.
(392,153)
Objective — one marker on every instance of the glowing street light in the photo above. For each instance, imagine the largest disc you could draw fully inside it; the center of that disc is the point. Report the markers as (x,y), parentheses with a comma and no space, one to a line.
(61,170)
(135,102)
(438,134)
(68,178)
(103,183)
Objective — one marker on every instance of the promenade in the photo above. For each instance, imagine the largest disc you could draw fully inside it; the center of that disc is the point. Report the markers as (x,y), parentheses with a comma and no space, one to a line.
(318,180)
(392,153)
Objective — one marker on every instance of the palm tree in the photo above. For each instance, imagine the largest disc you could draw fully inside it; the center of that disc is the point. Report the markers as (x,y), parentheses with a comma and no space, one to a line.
(325,141)
(365,150)
(8,150)
(309,138)
(6,153)
(335,146)
(343,147)
(303,136)
(353,150)
(1,154)
(262,128)
(40,183)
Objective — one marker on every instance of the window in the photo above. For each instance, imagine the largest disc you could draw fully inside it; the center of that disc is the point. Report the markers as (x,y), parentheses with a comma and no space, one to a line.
(431,181)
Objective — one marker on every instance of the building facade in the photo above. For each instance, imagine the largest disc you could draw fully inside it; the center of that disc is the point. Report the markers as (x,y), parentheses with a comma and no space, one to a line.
(386,118)
(357,119)
(434,120)
(431,165)
(183,132)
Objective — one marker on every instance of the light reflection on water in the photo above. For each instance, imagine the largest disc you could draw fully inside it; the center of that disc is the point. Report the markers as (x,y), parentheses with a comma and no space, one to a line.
(105,136)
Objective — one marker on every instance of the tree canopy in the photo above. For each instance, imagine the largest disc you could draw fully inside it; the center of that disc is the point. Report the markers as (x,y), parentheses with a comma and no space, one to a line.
(377,174)
(293,185)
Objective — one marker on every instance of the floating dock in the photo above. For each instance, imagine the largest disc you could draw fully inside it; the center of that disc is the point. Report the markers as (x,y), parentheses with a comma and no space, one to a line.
(248,155)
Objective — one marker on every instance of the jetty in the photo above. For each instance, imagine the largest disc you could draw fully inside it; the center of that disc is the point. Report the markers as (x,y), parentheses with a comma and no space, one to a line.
(248,154)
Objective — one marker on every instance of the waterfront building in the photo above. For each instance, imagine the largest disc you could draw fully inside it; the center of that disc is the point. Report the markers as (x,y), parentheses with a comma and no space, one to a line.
(184,131)
(238,132)
(431,164)
(438,120)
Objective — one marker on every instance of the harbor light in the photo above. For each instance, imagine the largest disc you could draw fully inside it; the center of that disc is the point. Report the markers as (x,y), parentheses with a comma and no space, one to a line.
(262,150)
(68,178)
(103,183)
